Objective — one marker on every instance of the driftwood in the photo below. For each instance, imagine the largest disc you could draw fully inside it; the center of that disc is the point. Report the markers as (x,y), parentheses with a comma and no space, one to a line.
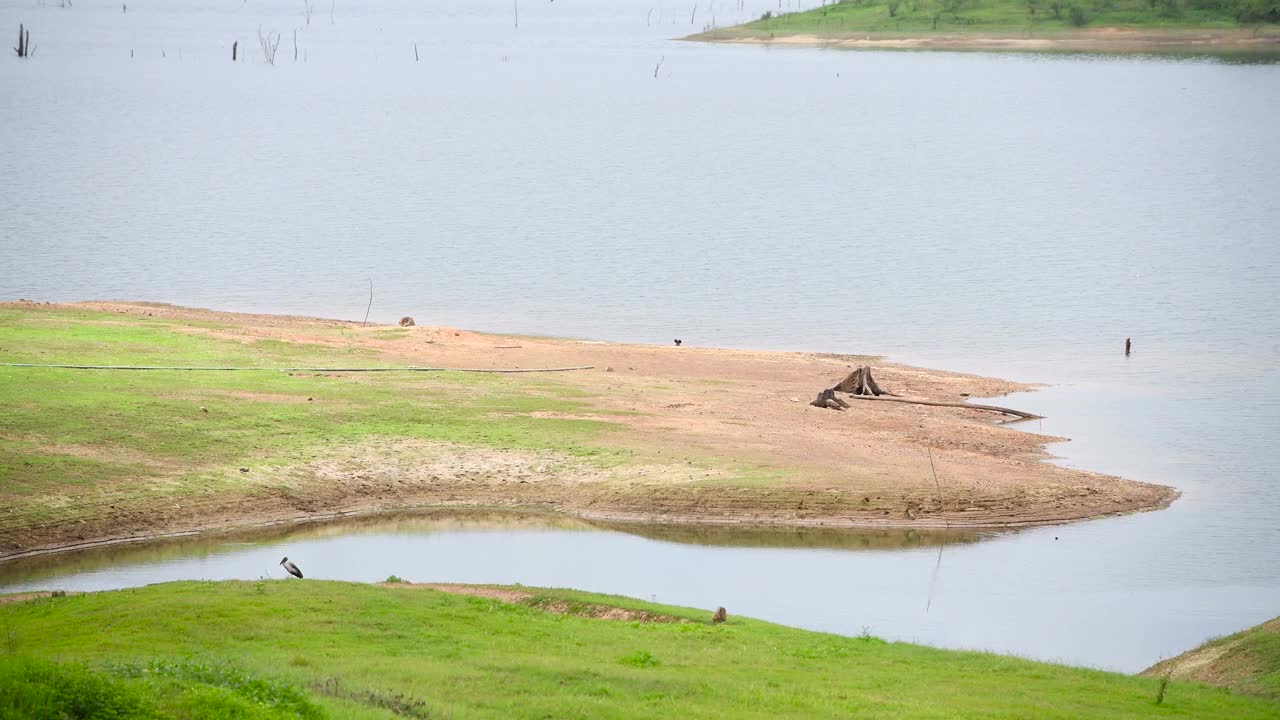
(941,403)
(860,382)
(860,385)
(827,399)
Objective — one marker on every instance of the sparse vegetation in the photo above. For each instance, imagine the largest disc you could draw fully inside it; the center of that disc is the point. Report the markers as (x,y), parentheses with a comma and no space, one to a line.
(1247,662)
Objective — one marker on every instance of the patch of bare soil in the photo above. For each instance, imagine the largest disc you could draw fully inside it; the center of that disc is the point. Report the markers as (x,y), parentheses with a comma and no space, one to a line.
(722,437)
(1225,664)
(558,607)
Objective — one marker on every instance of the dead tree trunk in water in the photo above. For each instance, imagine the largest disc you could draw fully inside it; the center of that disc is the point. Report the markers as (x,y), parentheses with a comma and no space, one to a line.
(23,41)
(234,47)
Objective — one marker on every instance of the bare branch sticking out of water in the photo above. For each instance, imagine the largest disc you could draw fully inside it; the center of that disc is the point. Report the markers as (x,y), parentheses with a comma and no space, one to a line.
(24,36)
(307,7)
(269,43)
(658,67)
(367,309)
(937,566)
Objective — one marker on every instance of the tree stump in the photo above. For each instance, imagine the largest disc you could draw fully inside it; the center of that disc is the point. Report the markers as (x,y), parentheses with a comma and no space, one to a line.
(827,399)
(860,382)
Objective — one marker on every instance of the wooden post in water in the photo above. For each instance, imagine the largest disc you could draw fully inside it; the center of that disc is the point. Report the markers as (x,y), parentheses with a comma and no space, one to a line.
(1128,346)
(415,52)
(234,47)
(22,43)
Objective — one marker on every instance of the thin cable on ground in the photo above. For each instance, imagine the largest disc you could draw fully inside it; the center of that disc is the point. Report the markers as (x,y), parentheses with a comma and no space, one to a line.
(299,369)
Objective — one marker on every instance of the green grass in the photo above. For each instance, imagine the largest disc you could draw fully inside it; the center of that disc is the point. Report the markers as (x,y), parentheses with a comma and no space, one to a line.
(1246,662)
(313,649)
(35,689)
(81,447)
(75,431)
(1008,16)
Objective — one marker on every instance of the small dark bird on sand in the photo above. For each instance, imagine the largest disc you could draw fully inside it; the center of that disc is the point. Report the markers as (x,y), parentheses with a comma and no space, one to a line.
(678,341)
(291,568)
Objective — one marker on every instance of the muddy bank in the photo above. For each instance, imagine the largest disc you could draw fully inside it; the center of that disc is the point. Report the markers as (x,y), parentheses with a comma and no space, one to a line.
(712,437)
(1099,40)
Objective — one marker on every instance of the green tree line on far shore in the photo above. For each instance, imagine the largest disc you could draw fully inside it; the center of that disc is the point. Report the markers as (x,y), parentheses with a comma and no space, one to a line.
(891,15)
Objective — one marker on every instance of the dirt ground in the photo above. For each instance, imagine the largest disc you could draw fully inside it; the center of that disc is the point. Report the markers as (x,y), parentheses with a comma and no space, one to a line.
(690,412)
(1233,663)
(557,607)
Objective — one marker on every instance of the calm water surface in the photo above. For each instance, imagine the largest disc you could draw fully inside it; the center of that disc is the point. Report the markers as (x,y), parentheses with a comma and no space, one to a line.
(1017,215)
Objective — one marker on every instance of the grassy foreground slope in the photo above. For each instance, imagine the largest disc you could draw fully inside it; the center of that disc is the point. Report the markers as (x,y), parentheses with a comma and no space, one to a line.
(326,649)
(1010,17)
(1246,662)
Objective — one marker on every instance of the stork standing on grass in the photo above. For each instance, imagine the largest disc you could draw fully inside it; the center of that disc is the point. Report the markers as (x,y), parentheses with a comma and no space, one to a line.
(291,568)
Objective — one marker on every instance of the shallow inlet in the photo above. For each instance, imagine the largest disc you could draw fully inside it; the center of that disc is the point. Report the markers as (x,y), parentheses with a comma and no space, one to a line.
(955,589)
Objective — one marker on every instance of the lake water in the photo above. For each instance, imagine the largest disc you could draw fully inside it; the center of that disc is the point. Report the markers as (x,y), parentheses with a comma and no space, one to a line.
(1016,215)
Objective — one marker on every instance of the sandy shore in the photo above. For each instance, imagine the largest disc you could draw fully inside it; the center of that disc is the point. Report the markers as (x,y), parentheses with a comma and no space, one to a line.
(1099,40)
(686,412)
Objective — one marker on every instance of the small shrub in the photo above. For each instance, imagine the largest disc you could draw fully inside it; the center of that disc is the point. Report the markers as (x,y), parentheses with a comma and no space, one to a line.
(226,686)
(1164,683)
(639,658)
(398,703)
(768,15)
(394,579)
(1077,17)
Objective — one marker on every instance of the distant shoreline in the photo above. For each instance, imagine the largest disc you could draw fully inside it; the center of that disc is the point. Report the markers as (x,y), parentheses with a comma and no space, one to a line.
(1100,40)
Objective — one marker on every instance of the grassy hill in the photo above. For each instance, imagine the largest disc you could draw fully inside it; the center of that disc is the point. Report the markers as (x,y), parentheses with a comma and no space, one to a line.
(851,17)
(309,649)
(1247,662)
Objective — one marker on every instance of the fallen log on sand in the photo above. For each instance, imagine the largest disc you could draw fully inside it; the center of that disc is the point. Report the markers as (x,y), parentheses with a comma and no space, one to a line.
(941,403)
